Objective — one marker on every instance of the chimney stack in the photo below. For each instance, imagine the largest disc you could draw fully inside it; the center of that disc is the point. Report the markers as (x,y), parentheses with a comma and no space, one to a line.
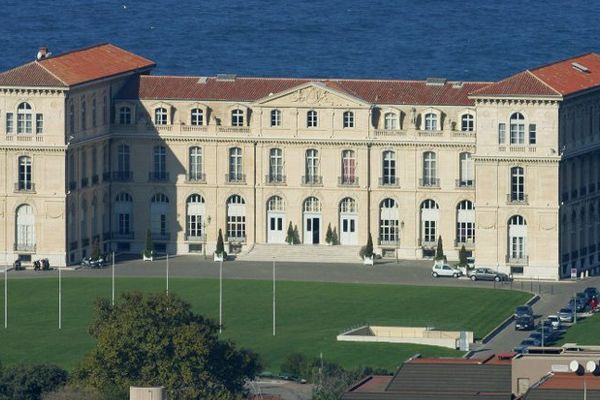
(43,53)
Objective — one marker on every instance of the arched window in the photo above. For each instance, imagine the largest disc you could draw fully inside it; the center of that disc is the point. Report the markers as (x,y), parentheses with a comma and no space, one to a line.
(159,207)
(312,205)
(390,121)
(517,184)
(275,118)
(159,164)
(24,119)
(312,120)
(467,123)
(237,117)
(125,116)
(195,210)
(431,122)
(160,116)
(429,221)
(517,129)
(348,119)
(235,165)
(25,240)
(25,182)
(466,170)
(389,233)
(311,167)
(348,168)
(197,117)
(276,166)
(465,222)
(348,205)
(195,165)
(430,169)
(517,239)
(275,203)
(236,218)
(388,175)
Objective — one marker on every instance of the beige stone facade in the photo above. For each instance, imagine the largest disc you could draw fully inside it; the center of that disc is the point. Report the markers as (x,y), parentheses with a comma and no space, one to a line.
(406,161)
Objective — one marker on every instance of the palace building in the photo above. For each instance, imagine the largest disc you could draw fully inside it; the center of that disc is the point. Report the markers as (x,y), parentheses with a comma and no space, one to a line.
(97,150)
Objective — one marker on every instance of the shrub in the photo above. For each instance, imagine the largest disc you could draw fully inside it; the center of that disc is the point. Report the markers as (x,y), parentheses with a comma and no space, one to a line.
(296,235)
(31,381)
(335,238)
(220,245)
(439,253)
(329,235)
(367,250)
(149,246)
(289,237)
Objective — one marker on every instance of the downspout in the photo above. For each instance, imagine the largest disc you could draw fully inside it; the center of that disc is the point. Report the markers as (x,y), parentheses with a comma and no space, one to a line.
(254,193)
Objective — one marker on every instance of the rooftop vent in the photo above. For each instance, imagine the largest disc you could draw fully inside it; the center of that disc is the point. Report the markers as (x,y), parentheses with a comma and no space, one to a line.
(457,85)
(436,81)
(43,53)
(202,79)
(226,77)
(580,68)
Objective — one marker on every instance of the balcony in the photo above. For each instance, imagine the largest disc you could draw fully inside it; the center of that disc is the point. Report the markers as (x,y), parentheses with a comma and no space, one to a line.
(275,179)
(233,129)
(522,260)
(312,180)
(123,235)
(468,243)
(431,133)
(197,177)
(24,247)
(95,179)
(389,242)
(28,187)
(389,181)
(517,199)
(236,239)
(158,176)
(389,132)
(465,184)
(122,176)
(347,180)
(195,238)
(427,244)
(161,236)
(429,183)
(235,179)
(84,182)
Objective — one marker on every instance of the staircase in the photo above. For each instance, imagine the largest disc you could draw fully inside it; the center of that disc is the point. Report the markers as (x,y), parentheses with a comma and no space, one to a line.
(302,253)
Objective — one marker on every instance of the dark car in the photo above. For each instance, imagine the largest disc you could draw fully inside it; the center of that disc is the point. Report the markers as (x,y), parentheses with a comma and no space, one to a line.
(548,336)
(591,292)
(524,323)
(578,304)
(524,346)
(523,310)
(488,274)
(582,296)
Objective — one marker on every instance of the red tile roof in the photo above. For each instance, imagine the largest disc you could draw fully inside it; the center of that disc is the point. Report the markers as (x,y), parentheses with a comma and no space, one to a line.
(564,380)
(522,84)
(252,89)
(76,67)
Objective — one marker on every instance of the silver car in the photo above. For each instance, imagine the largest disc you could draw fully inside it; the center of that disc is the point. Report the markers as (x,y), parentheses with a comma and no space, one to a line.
(488,274)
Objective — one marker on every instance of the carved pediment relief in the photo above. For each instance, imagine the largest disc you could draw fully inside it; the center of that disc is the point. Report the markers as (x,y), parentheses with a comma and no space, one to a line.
(312,95)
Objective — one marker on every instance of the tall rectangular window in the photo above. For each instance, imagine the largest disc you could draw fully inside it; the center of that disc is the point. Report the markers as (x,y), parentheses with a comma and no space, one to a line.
(83,115)
(501,133)
(39,123)
(25,173)
(94,119)
(311,119)
(517,184)
(235,164)
(160,162)
(429,169)
(312,166)
(389,168)
(275,118)
(532,133)
(276,165)
(9,123)
(348,167)
(195,164)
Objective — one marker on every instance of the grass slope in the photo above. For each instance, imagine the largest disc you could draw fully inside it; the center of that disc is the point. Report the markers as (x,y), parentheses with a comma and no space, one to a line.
(584,332)
(309,316)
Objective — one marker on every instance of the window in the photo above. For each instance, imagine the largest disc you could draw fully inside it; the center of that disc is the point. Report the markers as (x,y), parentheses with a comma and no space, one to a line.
(83,222)
(430,169)
(94,162)
(195,166)
(160,116)
(123,212)
(465,222)
(389,168)
(235,164)
(312,205)
(160,163)
(275,203)
(104,109)
(276,165)
(466,169)
(125,116)
(197,117)
(275,118)
(501,133)
(83,161)
(431,122)
(159,208)
(39,124)
(517,238)
(123,159)
(236,218)
(94,117)
(517,129)
(25,228)
(429,219)
(24,118)
(71,118)
(25,173)
(237,118)
(83,114)
(390,121)
(348,119)
(532,133)
(9,123)
(388,222)
(311,119)
(195,216)
(348,168)
(517,184)
(311,167)
(467,123)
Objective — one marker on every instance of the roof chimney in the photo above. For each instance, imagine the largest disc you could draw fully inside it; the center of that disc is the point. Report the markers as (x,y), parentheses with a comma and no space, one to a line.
(43,53)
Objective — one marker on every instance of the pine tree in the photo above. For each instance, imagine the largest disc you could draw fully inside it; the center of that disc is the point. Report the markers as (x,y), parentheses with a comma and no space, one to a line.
(149,246)
(335,238)
(296,235)
(220,246)
(462,256)
(329,235)
(289,238)
(367,250)
(439,253)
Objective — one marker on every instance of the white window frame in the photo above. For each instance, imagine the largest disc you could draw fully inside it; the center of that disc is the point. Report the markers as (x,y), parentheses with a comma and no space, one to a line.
(312,119)
(348,119)
(275,118)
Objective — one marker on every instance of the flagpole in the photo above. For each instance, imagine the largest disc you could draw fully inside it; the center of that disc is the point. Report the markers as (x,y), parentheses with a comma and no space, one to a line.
(221,295)
(5,296)
(274,308)
(59,300)
(167,274)
(113,278)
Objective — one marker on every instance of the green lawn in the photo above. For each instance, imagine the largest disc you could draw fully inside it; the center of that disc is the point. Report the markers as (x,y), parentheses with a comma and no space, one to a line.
(584,332)
(309,316)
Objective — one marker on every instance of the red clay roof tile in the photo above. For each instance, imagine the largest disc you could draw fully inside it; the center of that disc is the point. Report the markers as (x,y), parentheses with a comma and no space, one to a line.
(31,74)
(566,79)
(521,84)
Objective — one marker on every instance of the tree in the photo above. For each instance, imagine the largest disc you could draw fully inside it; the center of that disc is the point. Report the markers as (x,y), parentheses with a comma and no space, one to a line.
(30,381)
(220,246)
(74,392)
(367,250)
(439,253)
(462,257)
(334,236)
(149,246)
(329,235)
(289,237)
(296,235)
(96,249)
(156,340)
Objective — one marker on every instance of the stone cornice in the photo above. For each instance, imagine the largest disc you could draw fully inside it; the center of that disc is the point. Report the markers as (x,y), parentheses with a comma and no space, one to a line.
(33,91)
(508,159)
(547,101)
(30,147)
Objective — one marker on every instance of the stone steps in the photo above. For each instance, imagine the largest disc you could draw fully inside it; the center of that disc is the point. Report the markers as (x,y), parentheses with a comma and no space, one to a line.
(302,253)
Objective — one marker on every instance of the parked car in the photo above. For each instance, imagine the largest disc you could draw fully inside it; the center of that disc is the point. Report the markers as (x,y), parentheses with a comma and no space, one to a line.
(471,262)
(445,270)
(566,315)
(536,338)
(524,323)
(554,321)
(524,346)
(592,292)
(523,310)
(583,297)
(550,335)
(488,274)
(89,262)
(578,304)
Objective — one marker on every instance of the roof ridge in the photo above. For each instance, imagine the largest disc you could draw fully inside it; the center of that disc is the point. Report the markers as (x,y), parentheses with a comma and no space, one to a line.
(77,50)
(50,72)
(560,61)
(543,82)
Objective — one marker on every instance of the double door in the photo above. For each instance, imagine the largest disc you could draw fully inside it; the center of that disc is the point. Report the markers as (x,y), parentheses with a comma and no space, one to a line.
(348,229)
(275,227)
(312,227)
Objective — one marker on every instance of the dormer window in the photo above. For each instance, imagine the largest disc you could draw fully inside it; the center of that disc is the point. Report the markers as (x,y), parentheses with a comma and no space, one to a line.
(197,117)
(390,121)
(160,116)
(125,115)
(431,122)
(237,118)
(311,119)
(24,123)
(348,119)
(467,123)
(276,118)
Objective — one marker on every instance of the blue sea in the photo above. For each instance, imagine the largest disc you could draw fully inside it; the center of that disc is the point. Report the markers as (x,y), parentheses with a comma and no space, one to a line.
(463,40)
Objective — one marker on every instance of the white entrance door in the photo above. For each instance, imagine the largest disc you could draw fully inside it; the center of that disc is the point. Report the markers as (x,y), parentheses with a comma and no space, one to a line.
(275,226)
(312,227)
(348,229)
